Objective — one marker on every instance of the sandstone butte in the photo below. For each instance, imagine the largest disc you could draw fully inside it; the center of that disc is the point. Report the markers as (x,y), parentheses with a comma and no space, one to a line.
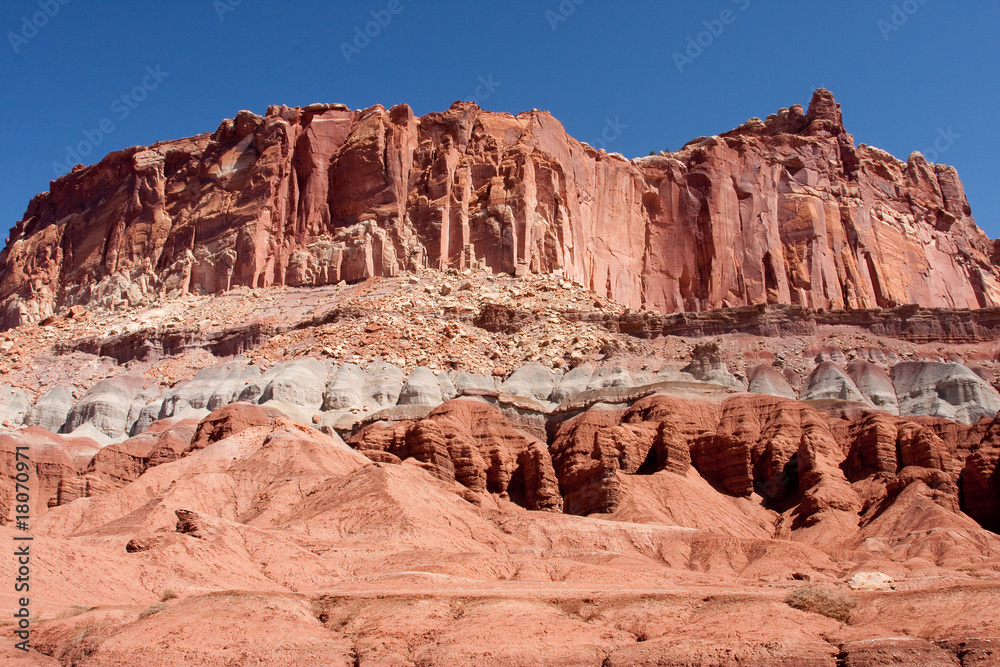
(783,211)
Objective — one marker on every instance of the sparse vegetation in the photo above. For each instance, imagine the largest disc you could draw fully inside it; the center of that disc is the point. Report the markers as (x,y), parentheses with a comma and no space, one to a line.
(585,609)
(89,633)
(816,600)
(74,610)
(168,594)
(152,609)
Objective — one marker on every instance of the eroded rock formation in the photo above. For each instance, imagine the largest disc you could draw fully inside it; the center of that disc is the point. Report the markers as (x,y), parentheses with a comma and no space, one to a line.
(470,442)
(787,210)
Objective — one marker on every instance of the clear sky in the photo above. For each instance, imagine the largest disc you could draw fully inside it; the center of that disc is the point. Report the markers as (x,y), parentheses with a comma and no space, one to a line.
(117,74)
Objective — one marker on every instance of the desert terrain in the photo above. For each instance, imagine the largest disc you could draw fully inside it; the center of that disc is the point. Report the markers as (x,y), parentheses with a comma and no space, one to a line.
(386,417)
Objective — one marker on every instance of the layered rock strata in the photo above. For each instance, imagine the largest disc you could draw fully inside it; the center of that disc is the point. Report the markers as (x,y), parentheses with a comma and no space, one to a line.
(783,211)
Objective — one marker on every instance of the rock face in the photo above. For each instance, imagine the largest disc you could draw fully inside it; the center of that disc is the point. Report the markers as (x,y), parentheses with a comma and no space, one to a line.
(764,379)
(944,390)
(112,405)
(828,382)
(273,518)
(981,481)
(875,384)
(14,404)
(830,478)
(313,392)
(784,211)
(469,441)
(51,409)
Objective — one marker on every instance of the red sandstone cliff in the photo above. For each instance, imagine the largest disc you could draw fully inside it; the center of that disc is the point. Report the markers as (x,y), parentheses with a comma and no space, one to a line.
(786,210)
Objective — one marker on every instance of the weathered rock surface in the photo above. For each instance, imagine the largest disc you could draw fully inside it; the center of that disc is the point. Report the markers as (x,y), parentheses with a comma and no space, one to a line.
(474,383)
(708,365)
(51,409)
(301,382)
(895,650)
(229,421)
(787,210)
(383,384)
(875,385)
(421,388)
(764,379)
(572,383)
(210,388)
(299,536)
(829,382)
(215,384)
(944,390)
(981,480)
(469,441)
(53,461)
(531,381)
(14,404)
(345,388)
(111,406)
(679,510)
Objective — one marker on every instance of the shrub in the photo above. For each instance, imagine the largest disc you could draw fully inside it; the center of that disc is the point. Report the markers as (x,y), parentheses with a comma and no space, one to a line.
(152,609)
(168,594)
(822,601)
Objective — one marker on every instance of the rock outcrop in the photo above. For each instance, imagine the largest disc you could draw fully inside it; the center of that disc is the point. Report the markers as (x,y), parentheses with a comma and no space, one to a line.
(829,382)
(981,481)
(944,390)
(111,406)
(829,478)
(783,211)
(469,441)
(625,486)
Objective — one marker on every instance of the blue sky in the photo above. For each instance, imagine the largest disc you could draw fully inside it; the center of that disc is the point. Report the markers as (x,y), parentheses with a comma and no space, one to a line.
(906,72)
